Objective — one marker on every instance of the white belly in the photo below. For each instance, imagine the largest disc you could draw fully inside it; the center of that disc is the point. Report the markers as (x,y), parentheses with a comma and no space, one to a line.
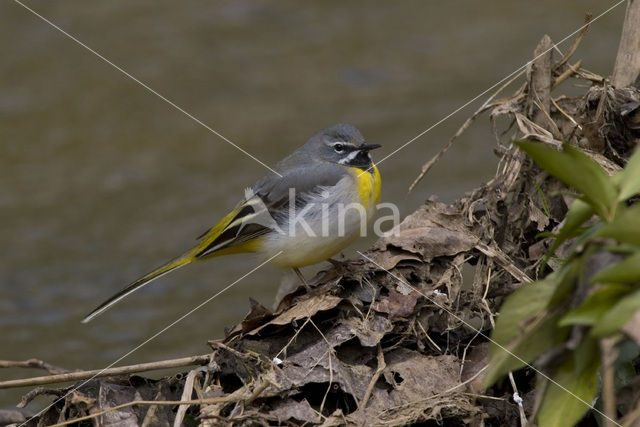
(328,225)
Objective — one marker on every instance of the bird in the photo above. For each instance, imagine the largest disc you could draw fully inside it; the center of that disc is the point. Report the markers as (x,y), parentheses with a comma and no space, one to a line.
(310,206)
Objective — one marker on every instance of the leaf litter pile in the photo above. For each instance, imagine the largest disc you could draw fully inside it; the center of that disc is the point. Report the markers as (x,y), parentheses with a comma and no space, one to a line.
(399,335)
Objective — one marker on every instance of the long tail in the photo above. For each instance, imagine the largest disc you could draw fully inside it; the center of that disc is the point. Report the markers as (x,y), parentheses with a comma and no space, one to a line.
(233,234)
(144,280)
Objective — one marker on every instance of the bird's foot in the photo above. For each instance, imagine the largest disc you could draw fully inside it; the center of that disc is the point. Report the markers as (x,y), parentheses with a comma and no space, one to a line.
(302,279)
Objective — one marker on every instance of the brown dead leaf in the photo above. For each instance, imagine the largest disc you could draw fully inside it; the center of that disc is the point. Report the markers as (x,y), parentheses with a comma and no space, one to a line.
(396,304)
(434,230)
(476,360)
(301,310)
(317,353)
(537,216)
(421,387)
(392,256)
(414,375)
(434,214)
(292,410)
(429,242)
(77,398)
(531,130)
(352,379)
(370,330)
(111,395)
(8,417)
(257,315)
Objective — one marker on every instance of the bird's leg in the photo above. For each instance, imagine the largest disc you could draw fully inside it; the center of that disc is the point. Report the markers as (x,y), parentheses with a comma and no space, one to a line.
(301,277)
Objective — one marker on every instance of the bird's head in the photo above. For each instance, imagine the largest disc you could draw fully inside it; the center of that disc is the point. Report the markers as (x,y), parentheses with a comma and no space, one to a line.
(342,144)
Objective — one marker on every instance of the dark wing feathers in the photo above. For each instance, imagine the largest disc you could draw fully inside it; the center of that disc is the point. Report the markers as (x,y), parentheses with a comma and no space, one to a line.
(236,232)
(274,190)
(273,194)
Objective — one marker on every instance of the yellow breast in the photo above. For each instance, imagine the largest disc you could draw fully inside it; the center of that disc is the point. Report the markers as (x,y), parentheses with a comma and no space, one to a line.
(369,184)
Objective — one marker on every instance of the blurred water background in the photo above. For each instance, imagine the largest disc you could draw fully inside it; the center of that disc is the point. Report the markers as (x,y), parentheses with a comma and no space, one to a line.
(101,181)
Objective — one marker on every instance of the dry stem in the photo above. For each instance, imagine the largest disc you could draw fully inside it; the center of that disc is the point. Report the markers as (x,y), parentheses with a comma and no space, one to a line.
(98,373)
(33,363)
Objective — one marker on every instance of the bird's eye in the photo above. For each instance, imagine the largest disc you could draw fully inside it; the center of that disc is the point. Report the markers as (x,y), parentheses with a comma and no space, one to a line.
(338,148)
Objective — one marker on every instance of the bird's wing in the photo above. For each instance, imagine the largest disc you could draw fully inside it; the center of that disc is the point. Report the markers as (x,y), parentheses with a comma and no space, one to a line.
(267,201)
(303,180)
(236,230)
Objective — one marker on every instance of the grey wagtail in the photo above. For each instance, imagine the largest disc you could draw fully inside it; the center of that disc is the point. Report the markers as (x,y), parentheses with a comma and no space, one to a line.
(303,213)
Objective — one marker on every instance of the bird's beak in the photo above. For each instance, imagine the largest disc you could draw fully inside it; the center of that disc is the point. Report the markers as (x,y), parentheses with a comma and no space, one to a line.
(369,147)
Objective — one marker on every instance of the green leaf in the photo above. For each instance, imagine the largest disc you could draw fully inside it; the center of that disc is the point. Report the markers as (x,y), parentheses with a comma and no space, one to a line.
(594,306)
(617,316)
(564,406)
(577,170)
(584,354)
(535,338)
(524,327)
(630,177)
(543,201)
(626,271)
(567,281)
(625,227)
(578,213)
(598,186)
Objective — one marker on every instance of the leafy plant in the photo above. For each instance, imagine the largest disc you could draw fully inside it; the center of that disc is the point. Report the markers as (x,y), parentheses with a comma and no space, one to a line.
(541,315)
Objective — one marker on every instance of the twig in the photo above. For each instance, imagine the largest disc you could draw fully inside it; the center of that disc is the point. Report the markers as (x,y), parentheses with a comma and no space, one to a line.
(552,125)
(33,363)
(434,159)
(466,347)
(504,262)
(98,373)
(484,298)
(576,42)
(590,76)
(330,354)
(293,338)
(573,69)
(518,400)
(627,67)
(564,113)
(374,378)
(541,388)
(198,388)
(187,391)
(40,391)
(540,83)
(258,391)
(207,401)
(481,396)
(150,416)
(609,356)
(487,104)
(428,337)
(373,297)
(214,343)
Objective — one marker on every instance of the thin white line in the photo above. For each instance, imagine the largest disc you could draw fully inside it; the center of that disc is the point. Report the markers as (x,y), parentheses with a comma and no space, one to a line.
(153,337)
(496,84)
(485,336)
(168,101)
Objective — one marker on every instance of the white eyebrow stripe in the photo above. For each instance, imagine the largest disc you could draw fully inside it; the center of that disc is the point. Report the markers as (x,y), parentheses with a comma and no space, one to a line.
(352,155)
(333,144)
